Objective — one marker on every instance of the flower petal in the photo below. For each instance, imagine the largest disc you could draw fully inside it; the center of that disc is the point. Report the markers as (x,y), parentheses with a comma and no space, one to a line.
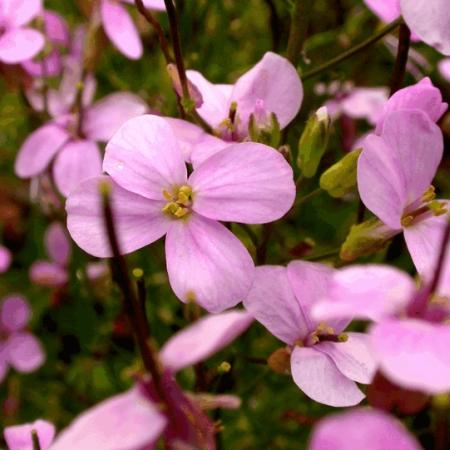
(139,221)
(45,273)
(368,429)
(15,313)
(106,116)
(57,243)
(39,149)
(19,44)
(19,437)
(430,20)
(414,354)
(25,352)
(125,421)
(247,183)
(120,29)
(274,81)
(203,338)
(144,157)
(386,10)
(353,358)
(272,302)
(318,377)
(207,263)
(76,162)
(5,259)
(365,292)
(19,12)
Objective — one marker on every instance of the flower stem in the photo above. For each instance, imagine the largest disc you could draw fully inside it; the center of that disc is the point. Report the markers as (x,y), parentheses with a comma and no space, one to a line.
(353,51)
(297,32)
(35,439)
(441,258)
(404,41)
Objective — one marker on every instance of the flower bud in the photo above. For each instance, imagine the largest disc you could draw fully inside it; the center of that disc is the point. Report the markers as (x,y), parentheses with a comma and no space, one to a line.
(366,238)
(313,142)
(340,178)
(280,361)
(195,99)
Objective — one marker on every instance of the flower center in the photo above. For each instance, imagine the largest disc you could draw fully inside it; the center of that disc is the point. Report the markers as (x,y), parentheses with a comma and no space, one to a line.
(179,201)
(322,333)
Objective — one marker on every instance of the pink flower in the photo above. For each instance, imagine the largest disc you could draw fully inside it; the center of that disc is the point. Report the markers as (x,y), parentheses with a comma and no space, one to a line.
(444,68)
(324,363)
(75,153)
(430,20)
(119,26)
(18,42)
(410,339)
(19,437)
(5,259)
(57,34)
(395,171)
(53,273)
(18,347)
(152,196)
(386,10)
(360,428)
(271,86)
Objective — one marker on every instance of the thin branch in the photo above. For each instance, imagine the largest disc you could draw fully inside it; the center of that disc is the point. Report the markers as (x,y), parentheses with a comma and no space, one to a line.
(353,51)
(441,258)
(404,41)
(297,32)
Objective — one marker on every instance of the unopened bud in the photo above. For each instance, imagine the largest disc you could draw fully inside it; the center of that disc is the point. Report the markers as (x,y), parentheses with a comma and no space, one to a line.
(224,367)
(313,142)
(340,178)
(266,132)
(195,97)
(280,361)
(366,238)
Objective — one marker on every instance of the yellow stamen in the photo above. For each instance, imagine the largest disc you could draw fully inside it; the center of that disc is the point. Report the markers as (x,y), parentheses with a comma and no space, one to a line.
(178,201)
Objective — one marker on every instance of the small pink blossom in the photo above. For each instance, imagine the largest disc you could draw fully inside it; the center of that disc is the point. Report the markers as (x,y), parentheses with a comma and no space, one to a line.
(18,348)
(18,42)
(5,259)
(360,428)
(322,366)
(152,196)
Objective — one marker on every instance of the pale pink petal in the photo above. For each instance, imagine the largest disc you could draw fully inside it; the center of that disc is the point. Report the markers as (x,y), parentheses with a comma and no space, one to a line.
(318,377)
(353,358)
(196,145)
(57,243)
(127,421)
(25,352)
(120,29)
(157,5)
(366,292)
(310,283)
(444,69)
(414,354)
(368,429)
(272,82)
(144,157)
(39,149)
(5,259)
(207,263)
(247,183)
(106,116)
(430,20)
(272,302)
(15,313)
(386,10)
(49,274)
(203,338)
(216,100)
(19,12)
(139,221)
(422,96)
(19,437)
(76,162)
(365,103)
(20,44)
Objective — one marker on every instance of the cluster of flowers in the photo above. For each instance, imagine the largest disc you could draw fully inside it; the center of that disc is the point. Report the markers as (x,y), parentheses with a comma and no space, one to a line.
(168,177)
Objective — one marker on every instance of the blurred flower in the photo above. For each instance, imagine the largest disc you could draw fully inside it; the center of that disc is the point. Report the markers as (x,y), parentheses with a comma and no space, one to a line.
(19,43)
(324,362)
(19,437)
(119,26)
(361,428)
(386,10)
(444,68)
(5,259)
(152,196)
(53,273)
(410,337)
(18,347)
(271,86)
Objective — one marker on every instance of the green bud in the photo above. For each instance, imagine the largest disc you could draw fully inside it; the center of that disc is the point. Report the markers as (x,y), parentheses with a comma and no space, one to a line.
(365,238)
(268,133)
(313,142)
(340,178)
